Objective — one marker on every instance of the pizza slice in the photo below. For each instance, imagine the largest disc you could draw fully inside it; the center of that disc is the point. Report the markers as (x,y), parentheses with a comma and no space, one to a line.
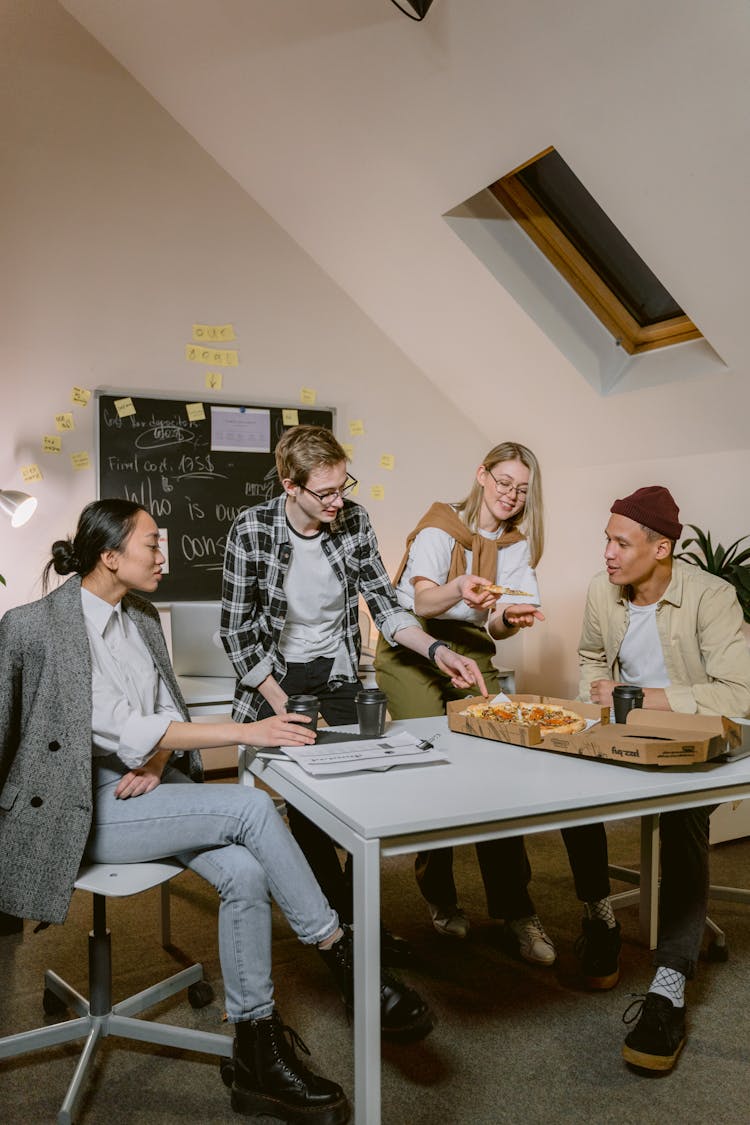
(501,591)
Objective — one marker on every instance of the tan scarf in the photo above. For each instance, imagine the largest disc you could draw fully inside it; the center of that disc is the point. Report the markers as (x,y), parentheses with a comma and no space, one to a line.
(484,551)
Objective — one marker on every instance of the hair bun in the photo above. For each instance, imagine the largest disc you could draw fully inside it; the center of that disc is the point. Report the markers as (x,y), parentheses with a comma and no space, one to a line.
(64,558)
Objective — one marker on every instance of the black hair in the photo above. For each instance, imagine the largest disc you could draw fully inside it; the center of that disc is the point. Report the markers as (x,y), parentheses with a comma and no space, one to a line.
(104,525)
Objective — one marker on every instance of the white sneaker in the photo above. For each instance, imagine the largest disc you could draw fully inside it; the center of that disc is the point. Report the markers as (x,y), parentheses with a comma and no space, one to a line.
(452,923)
(533,943)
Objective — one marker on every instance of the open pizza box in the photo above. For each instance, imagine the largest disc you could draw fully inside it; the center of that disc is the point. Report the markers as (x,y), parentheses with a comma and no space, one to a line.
(652,738)
(649,738)
(512,732)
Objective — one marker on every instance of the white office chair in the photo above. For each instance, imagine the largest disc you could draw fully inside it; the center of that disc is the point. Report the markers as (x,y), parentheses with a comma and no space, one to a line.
(98,1017)
(646,892)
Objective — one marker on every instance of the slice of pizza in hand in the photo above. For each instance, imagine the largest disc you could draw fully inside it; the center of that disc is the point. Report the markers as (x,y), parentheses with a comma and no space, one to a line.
(503,591)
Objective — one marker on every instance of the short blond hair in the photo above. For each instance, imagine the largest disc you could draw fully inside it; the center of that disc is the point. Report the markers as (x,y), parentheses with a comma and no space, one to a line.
(302,449)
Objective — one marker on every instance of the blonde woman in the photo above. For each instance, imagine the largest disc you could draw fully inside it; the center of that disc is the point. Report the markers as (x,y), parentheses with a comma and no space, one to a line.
(456,551)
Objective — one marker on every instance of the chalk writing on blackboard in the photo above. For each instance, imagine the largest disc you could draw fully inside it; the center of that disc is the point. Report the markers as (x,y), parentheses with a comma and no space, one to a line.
(161,459)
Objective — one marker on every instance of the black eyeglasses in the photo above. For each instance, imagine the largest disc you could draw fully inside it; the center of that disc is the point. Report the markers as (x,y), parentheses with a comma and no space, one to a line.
(332,493)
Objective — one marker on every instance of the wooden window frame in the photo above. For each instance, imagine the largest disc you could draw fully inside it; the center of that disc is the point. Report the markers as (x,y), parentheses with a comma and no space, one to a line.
(589,286)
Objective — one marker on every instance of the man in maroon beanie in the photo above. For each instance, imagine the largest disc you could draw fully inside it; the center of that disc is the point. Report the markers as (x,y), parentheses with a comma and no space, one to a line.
(676,631)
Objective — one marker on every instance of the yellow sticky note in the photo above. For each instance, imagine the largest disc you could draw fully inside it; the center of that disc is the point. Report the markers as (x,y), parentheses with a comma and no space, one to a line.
(308,396)
(64,422)
(124,407)
(357,427)
(195,411)
(80,460)
(204,332)
(348,449)
(51,444)
(214,380)
(217,357)
(80,396)
(31,472)
(290,417)
(377,492)
(387,461)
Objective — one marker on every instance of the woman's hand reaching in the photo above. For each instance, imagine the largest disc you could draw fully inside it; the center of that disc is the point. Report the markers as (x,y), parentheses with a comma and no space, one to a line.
(280,730)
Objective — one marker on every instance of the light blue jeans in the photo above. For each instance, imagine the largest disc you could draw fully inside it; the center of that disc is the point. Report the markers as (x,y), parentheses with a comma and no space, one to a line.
(232,836)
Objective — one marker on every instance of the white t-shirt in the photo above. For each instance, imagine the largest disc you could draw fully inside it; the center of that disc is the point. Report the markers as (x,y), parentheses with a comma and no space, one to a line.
(430,557)
(131,704)
(314,624)
(640,657)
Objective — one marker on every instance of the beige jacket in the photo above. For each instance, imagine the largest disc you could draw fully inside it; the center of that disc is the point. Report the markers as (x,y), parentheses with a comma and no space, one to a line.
(700,627)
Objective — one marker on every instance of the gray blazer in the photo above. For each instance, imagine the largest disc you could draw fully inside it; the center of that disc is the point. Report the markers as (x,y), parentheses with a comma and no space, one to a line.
(46,802)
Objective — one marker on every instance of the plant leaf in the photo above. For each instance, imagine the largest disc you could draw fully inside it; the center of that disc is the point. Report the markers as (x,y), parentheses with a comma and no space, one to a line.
(694,559)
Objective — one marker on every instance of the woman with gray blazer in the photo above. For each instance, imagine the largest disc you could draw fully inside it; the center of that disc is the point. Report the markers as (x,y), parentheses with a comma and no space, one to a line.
(97,758)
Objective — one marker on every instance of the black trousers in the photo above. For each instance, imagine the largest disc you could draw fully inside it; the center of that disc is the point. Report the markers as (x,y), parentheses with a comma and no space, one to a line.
(337,707)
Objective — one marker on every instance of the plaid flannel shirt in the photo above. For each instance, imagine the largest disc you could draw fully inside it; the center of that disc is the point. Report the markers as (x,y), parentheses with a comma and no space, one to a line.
(254,605)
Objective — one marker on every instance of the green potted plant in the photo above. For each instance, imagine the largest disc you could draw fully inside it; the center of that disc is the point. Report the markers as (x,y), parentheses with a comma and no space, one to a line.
(728,563)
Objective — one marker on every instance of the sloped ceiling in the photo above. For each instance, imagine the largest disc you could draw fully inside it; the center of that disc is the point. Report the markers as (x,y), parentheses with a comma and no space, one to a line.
(358,129)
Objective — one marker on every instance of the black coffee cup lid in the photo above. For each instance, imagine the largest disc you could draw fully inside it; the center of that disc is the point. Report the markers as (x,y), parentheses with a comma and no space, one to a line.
(302,701)
(371,695)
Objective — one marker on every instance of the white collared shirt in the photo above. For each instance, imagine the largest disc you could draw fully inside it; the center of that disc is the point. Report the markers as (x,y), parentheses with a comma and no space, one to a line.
(132,707)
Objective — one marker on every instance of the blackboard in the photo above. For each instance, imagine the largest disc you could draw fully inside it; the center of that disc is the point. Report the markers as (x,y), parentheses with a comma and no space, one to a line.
(169,464)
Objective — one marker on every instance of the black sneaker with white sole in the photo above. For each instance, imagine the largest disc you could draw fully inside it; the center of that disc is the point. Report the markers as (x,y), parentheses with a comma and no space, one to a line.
(658,1037)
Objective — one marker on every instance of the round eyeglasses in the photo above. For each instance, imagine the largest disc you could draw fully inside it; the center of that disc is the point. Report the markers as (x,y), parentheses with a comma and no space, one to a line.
(505,486)
(332,494)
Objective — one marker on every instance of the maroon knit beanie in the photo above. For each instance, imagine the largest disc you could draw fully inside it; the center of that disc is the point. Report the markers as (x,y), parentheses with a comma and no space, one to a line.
(653,507)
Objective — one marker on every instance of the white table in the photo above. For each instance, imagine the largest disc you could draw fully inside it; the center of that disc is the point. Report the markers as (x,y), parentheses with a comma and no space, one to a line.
(487,790)
(207,695)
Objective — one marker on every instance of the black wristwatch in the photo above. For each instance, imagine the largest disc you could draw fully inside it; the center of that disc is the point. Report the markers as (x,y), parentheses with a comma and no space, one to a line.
(434,647)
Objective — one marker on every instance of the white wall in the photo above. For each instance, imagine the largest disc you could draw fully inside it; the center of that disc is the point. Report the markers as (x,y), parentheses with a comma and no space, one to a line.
(119,234)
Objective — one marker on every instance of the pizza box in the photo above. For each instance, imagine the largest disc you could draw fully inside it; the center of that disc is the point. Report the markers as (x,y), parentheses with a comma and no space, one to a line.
(512,732)
(651,738)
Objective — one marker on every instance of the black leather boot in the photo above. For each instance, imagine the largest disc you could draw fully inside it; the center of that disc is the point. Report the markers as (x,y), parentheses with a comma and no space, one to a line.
(403,1013)
(269,1079)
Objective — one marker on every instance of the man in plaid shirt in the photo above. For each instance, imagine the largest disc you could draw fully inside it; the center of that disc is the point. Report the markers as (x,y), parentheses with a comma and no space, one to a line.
(294,570)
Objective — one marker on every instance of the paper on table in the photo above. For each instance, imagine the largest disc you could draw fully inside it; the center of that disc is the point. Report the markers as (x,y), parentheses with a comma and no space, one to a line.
(398,749)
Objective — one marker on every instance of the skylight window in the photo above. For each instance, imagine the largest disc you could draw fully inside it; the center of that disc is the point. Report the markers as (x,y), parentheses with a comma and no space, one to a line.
(570,228)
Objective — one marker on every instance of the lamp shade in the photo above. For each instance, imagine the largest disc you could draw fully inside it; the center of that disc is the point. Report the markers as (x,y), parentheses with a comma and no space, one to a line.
(18,505)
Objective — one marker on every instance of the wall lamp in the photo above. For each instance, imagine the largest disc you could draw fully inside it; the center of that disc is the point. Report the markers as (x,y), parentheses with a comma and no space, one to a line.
(19,506)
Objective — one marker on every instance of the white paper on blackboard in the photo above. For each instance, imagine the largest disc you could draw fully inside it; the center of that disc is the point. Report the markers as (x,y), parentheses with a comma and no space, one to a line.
(235,429)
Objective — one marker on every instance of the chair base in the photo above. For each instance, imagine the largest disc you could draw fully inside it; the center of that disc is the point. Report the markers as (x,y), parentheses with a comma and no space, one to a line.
(98,1019)
(646,892)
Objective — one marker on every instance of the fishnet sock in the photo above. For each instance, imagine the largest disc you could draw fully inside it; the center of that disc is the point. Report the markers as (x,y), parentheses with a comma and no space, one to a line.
(602,910)
(669,983)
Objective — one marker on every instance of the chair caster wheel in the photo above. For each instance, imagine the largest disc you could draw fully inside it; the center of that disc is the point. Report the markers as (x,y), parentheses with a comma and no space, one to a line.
(52,1004)
(226,1069)
(200,994)
(717,953)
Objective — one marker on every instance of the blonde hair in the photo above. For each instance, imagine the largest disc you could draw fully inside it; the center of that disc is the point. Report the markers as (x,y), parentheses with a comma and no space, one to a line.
(302,449)
(530,519)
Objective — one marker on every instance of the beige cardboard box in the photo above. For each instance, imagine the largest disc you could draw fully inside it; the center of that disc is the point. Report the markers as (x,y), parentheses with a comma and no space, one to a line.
(650,738)
(511,732)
